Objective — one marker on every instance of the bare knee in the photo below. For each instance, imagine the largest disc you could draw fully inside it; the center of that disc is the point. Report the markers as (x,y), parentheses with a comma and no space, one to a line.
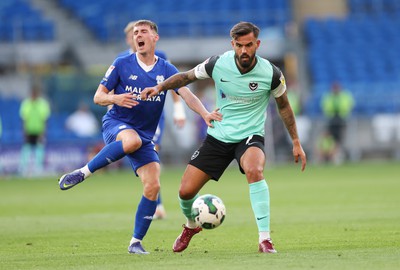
(151,190)
(254,173)
(131,141)
(186,193)
(131,145)
(193,180)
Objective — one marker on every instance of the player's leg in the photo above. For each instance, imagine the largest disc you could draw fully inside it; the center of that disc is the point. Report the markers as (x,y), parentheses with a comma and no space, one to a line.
(192,181)
(209,162)
(252,163)
(145,163)
(119,143)
(149,175)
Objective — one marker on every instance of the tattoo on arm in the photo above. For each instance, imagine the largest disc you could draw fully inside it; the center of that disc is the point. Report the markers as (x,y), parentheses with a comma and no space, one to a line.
(178,80)
(287,115)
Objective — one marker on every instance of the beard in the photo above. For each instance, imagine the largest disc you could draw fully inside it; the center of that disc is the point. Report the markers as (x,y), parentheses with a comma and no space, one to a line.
(245,60)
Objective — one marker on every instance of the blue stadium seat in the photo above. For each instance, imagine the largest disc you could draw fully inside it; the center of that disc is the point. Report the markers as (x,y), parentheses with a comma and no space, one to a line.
(360,50)
(20,21)
(178,18)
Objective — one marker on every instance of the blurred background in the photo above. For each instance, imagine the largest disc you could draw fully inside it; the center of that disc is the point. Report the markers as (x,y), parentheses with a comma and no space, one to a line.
(341,60)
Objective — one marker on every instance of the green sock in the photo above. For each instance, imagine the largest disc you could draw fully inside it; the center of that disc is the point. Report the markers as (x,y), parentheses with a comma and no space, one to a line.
(39,157)
(24,158)
(186,206)
(259,197)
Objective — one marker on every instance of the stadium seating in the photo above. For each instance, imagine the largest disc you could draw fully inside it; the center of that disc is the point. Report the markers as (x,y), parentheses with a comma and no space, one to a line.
(176,18)
(361,52)
(12,124)
(19,21)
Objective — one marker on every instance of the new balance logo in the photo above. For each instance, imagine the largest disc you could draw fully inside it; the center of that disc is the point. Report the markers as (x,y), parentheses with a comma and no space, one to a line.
(133,77)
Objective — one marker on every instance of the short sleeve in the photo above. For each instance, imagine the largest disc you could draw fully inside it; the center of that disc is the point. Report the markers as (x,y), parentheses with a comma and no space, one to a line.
(111,78)
(205,69)
(278,84)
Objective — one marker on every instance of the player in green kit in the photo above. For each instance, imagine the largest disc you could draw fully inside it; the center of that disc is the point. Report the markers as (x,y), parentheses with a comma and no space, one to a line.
(244,83)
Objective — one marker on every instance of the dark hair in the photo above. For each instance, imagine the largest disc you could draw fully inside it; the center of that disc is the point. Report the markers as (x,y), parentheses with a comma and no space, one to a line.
(153,25)
(244,28)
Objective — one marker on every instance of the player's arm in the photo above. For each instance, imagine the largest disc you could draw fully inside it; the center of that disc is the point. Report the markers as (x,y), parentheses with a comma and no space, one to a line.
(195,104)
(200,72)
(103,97)
(176,81)
(278,87)
(287,115)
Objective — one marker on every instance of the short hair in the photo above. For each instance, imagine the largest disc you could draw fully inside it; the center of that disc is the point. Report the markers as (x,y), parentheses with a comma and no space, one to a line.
(153,25)
(244,28)
(129,27)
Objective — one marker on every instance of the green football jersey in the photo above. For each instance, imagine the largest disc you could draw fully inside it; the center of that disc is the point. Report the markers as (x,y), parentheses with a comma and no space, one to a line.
(242,98)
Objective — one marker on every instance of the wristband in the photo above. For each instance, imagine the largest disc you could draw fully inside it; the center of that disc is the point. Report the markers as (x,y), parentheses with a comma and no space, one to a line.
(179,111)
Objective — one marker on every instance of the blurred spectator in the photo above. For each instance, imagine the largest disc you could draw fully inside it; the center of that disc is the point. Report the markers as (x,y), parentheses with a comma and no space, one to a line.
(337,106)
(83,122)
(34,112)
(303,122)
(294,97)
(326,150)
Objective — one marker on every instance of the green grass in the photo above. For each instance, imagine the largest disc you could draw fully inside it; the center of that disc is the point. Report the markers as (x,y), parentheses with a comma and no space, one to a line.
(328,217)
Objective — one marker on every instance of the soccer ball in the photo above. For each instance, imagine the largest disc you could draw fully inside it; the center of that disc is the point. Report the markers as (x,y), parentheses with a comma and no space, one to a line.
(208,211)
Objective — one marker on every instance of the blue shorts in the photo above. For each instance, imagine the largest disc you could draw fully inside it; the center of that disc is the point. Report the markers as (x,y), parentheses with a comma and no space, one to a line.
(157,138)
(144,155)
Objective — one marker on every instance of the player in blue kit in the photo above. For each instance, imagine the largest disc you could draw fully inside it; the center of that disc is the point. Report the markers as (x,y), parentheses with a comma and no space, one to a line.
(178,115)
(244,82)
(129,126)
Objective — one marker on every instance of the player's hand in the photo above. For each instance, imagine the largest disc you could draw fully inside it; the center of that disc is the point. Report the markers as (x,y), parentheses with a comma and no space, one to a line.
(299,152)
(215,115)
(149,92)
(126,100)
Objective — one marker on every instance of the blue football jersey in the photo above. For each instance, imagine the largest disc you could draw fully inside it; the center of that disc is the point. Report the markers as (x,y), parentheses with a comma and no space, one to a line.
(126,76)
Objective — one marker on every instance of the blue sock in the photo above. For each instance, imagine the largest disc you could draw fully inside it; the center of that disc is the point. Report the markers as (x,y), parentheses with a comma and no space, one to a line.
(110,153)
(144,216)
(259,197)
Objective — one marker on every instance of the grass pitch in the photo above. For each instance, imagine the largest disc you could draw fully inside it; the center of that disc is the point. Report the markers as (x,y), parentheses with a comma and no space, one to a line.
(328,217)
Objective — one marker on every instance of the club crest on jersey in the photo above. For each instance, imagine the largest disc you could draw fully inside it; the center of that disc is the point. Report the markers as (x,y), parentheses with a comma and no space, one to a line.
(195,154)
(253,86)
(160,79)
